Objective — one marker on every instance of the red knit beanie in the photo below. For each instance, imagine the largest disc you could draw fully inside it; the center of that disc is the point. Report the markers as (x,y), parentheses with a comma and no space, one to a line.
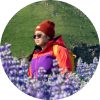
(47,27)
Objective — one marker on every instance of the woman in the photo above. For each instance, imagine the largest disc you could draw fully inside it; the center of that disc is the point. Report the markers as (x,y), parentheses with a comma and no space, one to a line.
(43,51)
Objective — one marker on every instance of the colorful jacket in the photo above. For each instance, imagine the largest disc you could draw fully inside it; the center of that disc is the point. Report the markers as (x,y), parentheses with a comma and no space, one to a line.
(44,58)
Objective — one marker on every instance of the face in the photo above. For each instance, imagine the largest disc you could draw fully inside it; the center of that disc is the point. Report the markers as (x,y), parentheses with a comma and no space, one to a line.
(42,40)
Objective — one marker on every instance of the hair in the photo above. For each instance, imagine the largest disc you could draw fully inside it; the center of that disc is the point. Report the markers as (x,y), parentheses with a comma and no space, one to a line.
(37,48)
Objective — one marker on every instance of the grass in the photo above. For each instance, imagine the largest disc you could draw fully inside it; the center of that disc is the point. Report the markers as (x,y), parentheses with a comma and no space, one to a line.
(70,22)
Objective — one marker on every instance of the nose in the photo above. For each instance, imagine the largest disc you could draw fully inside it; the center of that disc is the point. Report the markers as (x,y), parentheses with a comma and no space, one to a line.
(36,37)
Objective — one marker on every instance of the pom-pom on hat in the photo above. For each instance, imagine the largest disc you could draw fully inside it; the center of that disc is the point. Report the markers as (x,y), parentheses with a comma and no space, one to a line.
(47,27)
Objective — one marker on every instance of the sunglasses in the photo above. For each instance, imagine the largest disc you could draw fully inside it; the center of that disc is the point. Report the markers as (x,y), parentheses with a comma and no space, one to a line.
(38,35)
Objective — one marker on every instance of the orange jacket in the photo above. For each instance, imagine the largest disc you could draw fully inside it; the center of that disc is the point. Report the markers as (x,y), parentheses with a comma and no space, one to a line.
(45,58)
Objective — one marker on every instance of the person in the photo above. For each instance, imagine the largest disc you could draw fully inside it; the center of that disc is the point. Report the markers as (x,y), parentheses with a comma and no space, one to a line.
(43,55)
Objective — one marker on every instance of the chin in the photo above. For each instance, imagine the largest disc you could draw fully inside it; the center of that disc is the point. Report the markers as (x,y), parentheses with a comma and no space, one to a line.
(38,44)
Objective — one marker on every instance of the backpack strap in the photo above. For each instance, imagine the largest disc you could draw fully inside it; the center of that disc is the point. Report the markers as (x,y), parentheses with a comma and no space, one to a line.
(55,47)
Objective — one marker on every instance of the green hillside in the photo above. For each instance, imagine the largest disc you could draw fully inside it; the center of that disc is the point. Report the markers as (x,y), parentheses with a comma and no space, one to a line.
(70,22)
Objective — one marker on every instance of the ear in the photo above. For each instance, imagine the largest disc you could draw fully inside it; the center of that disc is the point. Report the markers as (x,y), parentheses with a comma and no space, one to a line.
(48,37)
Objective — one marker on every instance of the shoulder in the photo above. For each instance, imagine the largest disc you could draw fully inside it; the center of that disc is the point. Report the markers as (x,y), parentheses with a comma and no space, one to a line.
(62,51)
(61,48)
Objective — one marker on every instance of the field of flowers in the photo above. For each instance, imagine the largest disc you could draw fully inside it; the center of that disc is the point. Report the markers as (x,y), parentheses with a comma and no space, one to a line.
(46,87)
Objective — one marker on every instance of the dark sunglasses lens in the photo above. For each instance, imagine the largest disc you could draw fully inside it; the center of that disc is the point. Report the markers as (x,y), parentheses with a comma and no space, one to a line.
(39,35)
(34,36)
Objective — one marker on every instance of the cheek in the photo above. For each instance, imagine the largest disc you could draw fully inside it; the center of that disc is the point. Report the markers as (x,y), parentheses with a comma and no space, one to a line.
(40,41)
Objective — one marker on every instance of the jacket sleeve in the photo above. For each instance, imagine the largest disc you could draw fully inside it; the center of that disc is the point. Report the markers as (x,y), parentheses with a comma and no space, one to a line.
(64,59)
(29,72)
